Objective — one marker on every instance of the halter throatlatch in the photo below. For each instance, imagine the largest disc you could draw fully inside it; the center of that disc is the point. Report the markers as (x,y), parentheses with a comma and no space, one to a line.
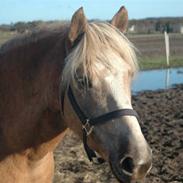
(89,123)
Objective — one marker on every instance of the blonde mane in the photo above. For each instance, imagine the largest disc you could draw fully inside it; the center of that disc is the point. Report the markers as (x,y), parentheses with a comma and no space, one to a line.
(101,43)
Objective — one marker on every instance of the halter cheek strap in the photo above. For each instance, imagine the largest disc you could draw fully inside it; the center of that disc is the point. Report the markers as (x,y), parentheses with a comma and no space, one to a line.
(89,123)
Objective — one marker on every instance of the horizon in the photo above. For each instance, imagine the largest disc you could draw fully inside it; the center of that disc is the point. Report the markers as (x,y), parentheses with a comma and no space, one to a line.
(168,17)
(47,10)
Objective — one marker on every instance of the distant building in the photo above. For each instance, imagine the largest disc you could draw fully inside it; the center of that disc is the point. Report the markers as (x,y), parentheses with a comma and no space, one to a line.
(181,29)
(177,28)
(156,25)
(131,29)
(142,28)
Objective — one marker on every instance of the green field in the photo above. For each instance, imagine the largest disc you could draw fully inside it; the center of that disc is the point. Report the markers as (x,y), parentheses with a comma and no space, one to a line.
(159,63)
(151,48)
(6,35)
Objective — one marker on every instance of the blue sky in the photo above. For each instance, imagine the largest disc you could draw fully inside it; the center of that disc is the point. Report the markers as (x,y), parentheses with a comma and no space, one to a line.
(28,10)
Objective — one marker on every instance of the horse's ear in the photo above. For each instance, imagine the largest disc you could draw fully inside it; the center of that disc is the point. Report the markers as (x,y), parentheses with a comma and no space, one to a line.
(78,25)
(120,19)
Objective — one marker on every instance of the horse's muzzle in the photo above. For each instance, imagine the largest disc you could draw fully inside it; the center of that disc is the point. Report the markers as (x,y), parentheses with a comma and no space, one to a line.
(128,169)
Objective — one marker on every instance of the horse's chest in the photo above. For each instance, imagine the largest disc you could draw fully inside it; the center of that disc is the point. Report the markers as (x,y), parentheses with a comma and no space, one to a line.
(19,169)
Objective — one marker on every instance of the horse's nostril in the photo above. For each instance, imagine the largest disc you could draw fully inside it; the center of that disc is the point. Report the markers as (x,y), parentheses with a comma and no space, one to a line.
(127,166)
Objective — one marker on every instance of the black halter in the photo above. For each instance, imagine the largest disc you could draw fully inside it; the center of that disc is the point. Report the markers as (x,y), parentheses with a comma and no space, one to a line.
(89,123)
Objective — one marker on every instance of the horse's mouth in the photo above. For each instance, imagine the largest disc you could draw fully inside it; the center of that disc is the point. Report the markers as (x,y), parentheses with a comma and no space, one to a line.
(120,176)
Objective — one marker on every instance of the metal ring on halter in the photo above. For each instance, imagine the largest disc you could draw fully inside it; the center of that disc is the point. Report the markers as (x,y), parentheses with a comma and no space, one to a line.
(87,127)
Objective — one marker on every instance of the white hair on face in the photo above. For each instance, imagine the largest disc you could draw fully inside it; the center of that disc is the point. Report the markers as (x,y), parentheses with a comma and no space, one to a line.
(100,44)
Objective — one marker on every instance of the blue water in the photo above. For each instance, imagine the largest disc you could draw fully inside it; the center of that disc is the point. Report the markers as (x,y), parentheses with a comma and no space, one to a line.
(157,79)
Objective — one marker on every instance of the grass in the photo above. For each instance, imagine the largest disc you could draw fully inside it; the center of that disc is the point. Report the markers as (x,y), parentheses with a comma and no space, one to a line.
(159,63)
(6,35)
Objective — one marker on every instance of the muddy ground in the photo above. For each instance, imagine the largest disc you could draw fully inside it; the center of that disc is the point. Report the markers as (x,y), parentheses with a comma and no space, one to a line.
(162,124)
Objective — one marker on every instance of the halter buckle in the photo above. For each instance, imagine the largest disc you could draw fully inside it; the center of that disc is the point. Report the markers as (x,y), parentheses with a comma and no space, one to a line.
(87,127)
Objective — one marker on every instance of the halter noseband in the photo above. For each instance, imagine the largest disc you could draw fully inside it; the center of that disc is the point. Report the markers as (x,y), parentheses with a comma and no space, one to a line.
(89,123)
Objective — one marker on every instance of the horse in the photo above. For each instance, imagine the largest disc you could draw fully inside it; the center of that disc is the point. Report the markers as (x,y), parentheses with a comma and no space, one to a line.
(75,76)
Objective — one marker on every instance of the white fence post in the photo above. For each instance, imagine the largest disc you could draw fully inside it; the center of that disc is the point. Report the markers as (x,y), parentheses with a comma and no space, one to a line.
(167,46)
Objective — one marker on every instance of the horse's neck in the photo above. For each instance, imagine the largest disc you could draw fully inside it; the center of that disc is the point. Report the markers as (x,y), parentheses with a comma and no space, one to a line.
(56,66)
(29,87)
(43,58)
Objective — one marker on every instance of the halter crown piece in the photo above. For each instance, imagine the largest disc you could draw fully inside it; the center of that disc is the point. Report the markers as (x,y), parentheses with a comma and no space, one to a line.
(88,124)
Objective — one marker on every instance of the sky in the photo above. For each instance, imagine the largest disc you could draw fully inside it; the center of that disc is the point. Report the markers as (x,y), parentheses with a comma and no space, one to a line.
(12,11)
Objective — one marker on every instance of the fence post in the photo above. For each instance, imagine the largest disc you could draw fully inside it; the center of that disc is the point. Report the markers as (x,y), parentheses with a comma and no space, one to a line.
(167,46)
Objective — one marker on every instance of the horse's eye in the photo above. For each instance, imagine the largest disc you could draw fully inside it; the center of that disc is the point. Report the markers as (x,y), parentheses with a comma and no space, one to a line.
(83,83)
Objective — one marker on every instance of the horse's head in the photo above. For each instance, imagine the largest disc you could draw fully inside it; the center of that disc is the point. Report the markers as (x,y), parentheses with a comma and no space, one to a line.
(99,68)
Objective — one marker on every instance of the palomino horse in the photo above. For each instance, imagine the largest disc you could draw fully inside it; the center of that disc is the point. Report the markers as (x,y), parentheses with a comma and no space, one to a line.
(91,66)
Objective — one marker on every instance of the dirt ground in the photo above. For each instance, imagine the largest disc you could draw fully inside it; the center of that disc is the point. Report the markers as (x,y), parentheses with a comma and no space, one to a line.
(162,124)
